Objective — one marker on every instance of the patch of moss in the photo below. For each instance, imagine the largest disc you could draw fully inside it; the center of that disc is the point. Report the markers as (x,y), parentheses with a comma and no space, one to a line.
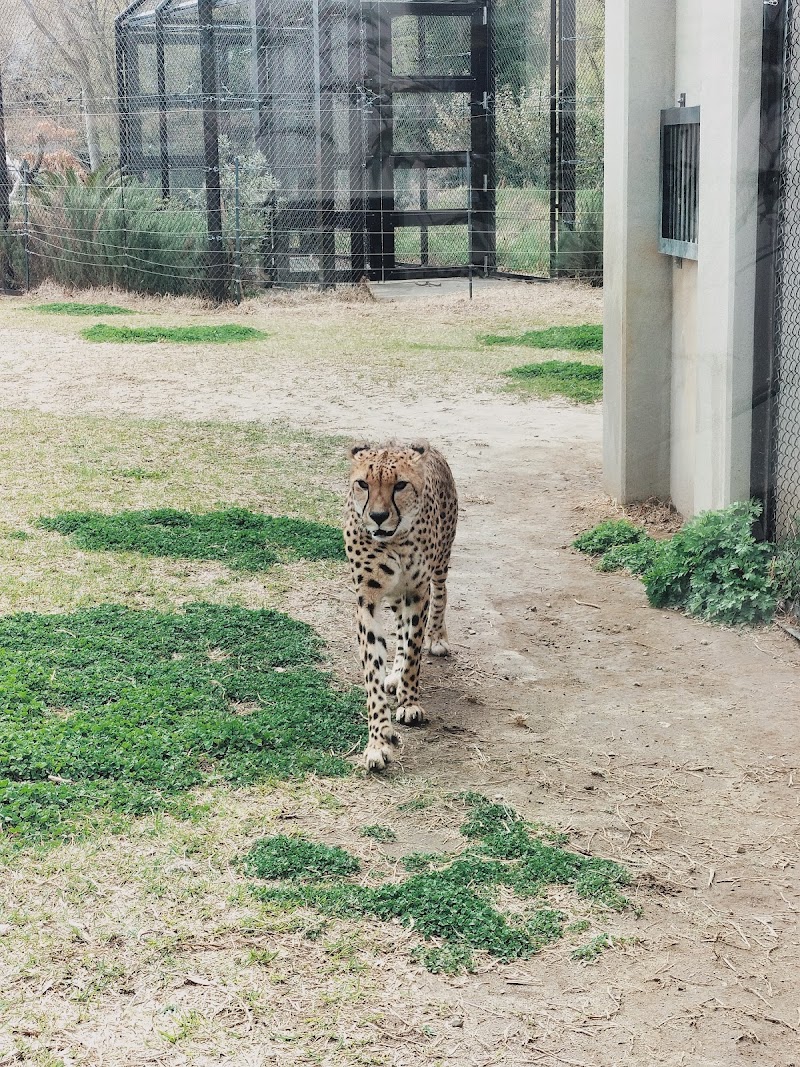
(571,338)
(580,382)
(74,308)
(186,335)
(239,538)
(294,857)
(384,834)
(113,712)
(454,899)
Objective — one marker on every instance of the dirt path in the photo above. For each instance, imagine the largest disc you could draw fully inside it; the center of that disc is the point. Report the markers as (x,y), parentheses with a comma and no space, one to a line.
(655,739)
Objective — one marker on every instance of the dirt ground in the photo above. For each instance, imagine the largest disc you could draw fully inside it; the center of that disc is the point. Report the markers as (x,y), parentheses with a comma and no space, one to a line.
(656,740)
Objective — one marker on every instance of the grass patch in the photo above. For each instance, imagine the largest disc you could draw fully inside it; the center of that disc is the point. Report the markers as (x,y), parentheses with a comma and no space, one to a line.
(240,538)
(294,857)
(114,712)
(454,899)
(592,950)
(384,834)
(581,382)
(570,338)
(713,568)
(72,308)
(218,335)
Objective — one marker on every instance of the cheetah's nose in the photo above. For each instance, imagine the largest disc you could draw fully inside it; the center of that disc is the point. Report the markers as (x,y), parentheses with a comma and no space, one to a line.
(379,517)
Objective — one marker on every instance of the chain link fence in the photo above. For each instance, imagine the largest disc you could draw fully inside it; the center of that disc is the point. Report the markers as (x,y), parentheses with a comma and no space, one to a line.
(225,145)
(787,407)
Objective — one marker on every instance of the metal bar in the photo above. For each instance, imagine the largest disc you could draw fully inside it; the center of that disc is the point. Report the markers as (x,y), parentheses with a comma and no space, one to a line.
(482,195)
(408,84)
(6,265)
(355,131)
(427,160)
(161,77)
(431,217)
(394,8)
(553,135)
(469,219)
(422,57)
(567,114)
(765,368)
(208,79)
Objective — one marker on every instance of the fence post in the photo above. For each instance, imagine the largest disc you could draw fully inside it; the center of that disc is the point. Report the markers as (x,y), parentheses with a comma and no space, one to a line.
(208,80)
(6,262)
(237,224)
(25,187)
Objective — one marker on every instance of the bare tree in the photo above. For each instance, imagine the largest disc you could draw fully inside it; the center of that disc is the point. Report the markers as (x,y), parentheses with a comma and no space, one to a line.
(80,36)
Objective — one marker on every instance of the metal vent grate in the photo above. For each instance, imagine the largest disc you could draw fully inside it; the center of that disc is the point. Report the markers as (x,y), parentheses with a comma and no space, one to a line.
(680,160)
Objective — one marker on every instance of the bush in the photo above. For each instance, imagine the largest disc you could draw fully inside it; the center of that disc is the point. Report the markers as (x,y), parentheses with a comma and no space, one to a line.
(608,535)
(713,568)
(117,232)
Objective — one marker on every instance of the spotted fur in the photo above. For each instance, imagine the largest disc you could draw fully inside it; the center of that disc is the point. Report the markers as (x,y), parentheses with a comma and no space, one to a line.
(401,518)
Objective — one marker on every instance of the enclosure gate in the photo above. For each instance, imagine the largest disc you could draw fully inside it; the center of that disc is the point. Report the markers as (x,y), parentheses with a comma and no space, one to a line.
(776,393)
(429,91)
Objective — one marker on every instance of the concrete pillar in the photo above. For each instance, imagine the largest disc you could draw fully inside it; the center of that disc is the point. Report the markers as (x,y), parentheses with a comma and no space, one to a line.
(729,151)
(640,66)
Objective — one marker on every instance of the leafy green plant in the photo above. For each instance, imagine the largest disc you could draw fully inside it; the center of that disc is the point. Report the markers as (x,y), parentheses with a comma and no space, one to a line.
(445,959)
(715,568)
(294,857)
(72,308)
(637,558)
(112,712)
(185,335)
(453,898)
(607,535)
(589,952)
(240,538)
(384,834)
(573,338)
(712,568)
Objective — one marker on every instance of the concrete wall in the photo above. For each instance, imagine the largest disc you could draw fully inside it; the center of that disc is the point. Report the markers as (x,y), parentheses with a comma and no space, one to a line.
(679,337)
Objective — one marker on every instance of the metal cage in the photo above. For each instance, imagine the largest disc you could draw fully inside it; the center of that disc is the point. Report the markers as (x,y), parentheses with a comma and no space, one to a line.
(328,140)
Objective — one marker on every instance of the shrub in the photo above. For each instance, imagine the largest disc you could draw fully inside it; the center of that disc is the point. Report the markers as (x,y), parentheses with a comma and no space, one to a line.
(608,535)
(116,232)
(713,568)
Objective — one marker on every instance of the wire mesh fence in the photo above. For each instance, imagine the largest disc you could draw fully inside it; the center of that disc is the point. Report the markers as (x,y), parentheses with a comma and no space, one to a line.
(226,145)
(786,459)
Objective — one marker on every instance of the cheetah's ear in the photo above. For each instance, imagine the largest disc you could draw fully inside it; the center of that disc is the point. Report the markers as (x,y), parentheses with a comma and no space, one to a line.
(363,446)
(421,447)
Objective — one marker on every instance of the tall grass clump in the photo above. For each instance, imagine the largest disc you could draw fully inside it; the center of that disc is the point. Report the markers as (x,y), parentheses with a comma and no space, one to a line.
(111,231)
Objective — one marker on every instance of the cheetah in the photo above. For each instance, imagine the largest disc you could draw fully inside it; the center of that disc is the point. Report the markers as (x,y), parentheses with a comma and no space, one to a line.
(400,522)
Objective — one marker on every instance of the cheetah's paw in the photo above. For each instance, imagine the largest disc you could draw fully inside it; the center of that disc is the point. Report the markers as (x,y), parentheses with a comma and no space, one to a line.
(439,647)
(380,751)
(391,682)
(410,715)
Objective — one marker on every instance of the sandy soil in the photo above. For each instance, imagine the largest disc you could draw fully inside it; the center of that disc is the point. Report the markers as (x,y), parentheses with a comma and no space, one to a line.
(657,740)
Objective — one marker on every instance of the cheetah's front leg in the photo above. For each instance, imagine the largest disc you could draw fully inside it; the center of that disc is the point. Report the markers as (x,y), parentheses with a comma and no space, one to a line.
(372,645)
(392,679)
(414,614)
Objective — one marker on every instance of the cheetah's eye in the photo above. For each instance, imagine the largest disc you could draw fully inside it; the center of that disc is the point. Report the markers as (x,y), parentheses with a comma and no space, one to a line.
(399,486)
(362,484)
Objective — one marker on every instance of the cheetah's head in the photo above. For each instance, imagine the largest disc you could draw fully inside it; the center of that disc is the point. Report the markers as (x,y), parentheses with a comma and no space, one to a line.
(386,484)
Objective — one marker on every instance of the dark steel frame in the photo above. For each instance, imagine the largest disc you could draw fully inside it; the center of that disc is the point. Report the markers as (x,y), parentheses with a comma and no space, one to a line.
(687,181)
(370,218)
(563,121)
(765,352)
(382,219)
